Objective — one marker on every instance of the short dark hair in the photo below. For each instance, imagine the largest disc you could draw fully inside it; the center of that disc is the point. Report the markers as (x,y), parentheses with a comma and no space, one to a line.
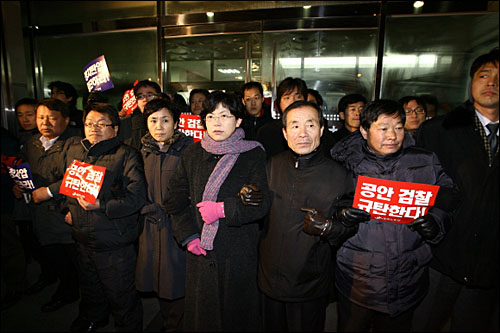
(290,84)
(198,91)
(491,57)
(373,110)
(299,104)
(147,83)
(350,99)
(162,103)
(316,95)
(420,101)
(230,101)
(67,88)
(250,85)
(55,105)
(103,108)
(25,101)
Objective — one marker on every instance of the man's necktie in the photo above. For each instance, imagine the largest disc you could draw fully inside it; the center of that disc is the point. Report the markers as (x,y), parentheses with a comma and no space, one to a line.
(492,138)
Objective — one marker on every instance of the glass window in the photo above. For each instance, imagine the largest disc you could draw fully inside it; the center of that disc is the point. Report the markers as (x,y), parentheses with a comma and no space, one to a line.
(66,12)
(335,63)
(130,56)
(432,55)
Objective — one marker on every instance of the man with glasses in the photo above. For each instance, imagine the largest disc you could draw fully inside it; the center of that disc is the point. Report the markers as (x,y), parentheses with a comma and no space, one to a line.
(133,127)
(416,112)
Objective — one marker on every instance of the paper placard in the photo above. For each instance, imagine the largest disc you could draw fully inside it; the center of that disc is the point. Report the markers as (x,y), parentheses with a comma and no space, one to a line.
(394,201)
(190,124)
(83,180)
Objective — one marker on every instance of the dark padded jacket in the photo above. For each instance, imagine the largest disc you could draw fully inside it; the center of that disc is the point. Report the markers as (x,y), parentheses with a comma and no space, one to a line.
(48,221)
(295,266)
(384,266)
(123,193)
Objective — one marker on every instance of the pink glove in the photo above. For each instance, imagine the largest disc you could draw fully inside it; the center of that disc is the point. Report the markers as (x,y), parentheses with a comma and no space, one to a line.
(211,211)
(195,248)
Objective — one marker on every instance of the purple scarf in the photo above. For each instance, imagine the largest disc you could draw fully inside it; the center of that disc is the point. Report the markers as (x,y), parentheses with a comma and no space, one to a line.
(231,149)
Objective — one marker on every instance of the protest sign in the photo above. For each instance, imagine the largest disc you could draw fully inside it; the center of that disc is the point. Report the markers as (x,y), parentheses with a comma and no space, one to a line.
(21,175)
(394,201)
(129,103)
(83,180)
(97,75)
(190,124)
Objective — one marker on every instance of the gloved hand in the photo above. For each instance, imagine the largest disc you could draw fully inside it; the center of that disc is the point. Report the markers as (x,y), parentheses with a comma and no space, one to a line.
(195,248)
(316,223)
(350,217)
(211,211)
(426,226)
(250,195)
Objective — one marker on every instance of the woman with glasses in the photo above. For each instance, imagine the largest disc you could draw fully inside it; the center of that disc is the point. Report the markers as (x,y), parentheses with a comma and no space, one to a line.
(105,231)
(161,262)
(217,195)
(416,113)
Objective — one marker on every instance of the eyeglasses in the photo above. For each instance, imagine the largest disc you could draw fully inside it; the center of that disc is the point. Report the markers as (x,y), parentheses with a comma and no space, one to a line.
(418,110)
(147,96)
(223,117)
(99,126)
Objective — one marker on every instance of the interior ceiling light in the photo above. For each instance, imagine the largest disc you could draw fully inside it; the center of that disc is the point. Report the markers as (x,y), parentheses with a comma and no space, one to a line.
(210,14)
(418,4)
(306,7)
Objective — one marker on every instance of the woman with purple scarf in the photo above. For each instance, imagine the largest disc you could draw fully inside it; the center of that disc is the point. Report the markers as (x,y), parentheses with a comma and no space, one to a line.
(218,195)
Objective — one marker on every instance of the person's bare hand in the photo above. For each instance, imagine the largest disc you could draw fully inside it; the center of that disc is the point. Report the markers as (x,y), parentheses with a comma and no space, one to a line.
(68,219)
(40,195)
(87,205)
(18,192)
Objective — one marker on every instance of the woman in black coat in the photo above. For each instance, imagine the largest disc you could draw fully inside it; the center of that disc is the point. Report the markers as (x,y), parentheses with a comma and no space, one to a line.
(211,216)
(161,262)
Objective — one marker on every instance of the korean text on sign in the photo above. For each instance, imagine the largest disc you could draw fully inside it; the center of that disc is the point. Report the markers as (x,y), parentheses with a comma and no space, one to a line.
(21,175)
(393,201)
(83,180)
(190,125)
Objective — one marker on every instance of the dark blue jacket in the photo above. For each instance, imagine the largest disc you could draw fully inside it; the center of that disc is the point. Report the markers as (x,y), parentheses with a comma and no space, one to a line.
(384,266)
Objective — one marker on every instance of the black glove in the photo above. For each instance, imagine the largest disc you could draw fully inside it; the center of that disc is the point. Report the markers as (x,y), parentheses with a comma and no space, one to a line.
(316,223)
(250,195)
(426,226)
(350,217)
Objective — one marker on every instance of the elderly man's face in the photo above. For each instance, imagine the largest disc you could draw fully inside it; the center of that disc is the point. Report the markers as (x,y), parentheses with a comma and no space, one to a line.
(485,87)
(303,131)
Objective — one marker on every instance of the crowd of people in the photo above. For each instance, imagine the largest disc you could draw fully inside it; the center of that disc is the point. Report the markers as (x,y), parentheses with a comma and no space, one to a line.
(254,228)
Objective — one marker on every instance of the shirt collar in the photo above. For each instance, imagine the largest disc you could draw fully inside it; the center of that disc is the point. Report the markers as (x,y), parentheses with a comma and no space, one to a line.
(46,143)
(485,121)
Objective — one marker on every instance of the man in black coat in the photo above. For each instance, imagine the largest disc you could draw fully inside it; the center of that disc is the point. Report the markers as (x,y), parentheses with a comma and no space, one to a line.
(464,274)
(295,268)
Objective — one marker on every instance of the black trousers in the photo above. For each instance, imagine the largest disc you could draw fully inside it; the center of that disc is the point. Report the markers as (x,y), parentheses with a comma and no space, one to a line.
(294,317)
(108,286)
(355,318)
(172,312)
(468,309)
(61,260)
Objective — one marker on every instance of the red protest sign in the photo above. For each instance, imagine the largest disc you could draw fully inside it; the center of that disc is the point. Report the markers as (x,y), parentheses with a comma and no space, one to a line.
(83,180)
(190,124)
(393,201)
(129,103)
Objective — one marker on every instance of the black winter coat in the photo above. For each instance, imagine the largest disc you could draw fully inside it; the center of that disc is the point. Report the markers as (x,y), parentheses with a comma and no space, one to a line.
(123,193)
(161,261)
(295,266)
(383,267)
(221,288)
(48,221)
(469,253)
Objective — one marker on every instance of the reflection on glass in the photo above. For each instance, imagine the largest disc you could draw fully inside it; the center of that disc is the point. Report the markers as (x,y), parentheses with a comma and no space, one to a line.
(419,61)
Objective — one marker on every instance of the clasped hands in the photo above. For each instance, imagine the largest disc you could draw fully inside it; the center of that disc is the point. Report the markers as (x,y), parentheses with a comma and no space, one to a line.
(317,224)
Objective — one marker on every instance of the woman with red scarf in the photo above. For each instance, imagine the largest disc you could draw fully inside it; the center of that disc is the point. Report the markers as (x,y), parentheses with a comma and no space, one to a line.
(218,195)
